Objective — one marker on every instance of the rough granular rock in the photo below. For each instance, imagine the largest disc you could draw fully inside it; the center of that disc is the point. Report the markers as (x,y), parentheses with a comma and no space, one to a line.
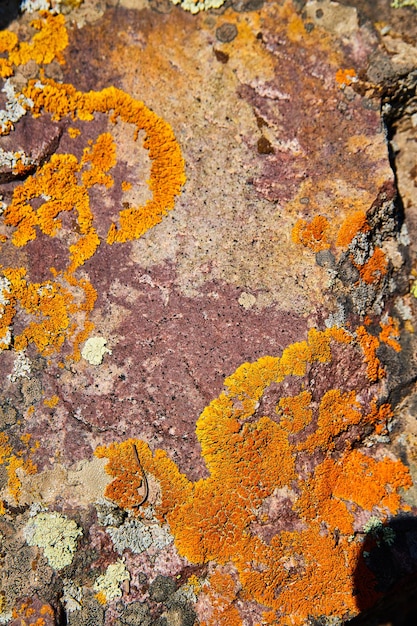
(210,199)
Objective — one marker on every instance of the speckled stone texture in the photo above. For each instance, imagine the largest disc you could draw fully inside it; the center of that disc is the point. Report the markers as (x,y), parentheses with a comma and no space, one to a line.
(274,132)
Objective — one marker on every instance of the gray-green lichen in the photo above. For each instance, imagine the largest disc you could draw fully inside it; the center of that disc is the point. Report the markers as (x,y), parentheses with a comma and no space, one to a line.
(382,534)
(56,534)
(138,537)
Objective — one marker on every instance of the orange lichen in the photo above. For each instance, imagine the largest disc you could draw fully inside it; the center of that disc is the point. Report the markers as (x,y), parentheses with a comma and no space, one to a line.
(101,597)
(57,181)
(337,412)
(345,77)
(369,344)
(51,402)
(390,333)
(312,235)
(6,68)
(353,224)
(46,46)
(249,458)
(126,186)
(32,613)
(15,463)
(296,413)
(375,268)
(221,593)
(167,165)
(48,303)
(73,132)
(62,185)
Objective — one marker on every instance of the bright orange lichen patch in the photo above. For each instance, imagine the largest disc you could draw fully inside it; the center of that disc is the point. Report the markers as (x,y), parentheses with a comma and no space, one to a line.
(369,344)
(51,402)
(345,77)
(167,168)
(73,132)
(375,268)
(57,180)
(353,224)
(312,235)
(390,334)
(221,593)
(296,413)
(48,304)
(14,463)
(46,46)
(101,597)
(249,458)
(63,184)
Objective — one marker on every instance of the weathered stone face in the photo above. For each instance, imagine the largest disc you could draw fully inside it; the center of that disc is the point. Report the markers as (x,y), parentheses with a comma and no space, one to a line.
(205,311)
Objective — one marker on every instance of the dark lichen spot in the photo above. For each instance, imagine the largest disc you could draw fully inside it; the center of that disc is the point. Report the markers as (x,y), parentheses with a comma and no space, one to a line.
(161,588)
(221,56)
(325,258)
(91,614)
(226,32)
(247,5)
(264,146)
(8,416)
(180,614)
(136,614)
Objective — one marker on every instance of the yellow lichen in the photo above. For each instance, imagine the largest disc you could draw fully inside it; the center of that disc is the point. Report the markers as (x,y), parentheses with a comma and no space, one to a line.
(62,185)
(46,46)
(14,463)
(51,402)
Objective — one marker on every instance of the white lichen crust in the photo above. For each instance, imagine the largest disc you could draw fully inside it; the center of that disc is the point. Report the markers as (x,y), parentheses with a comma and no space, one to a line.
(16,107)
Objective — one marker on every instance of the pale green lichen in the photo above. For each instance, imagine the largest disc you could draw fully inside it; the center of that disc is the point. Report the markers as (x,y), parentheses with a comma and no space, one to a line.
(94,350)
(382,534)
(107,585)
(195,6)
(56,534)
(398,4)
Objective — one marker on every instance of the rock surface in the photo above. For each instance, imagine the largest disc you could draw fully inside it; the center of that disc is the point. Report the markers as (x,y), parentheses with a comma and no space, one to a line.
(208,288)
